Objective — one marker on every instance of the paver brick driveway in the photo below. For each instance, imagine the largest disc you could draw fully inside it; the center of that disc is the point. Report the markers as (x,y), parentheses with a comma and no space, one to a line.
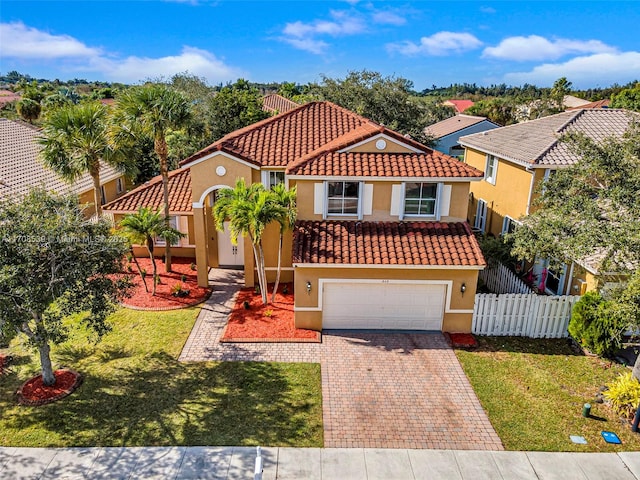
(390,390)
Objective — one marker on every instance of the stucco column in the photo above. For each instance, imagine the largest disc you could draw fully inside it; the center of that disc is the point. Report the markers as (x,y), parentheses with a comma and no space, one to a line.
(200,233)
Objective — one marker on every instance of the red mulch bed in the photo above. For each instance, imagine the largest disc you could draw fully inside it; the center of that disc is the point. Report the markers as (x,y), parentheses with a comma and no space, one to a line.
(34,393)
(163,299)
(462,340)
(273,322)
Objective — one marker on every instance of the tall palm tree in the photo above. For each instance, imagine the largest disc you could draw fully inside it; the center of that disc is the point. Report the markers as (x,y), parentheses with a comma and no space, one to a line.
(287,200)
(249,209)
(141,228)
(151,110)
(75,141)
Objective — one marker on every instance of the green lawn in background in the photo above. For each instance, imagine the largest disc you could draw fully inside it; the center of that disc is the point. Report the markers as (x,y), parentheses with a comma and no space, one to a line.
(135,392)
(534,389)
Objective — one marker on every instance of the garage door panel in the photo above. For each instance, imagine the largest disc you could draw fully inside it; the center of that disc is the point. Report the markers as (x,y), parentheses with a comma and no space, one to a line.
(397,306)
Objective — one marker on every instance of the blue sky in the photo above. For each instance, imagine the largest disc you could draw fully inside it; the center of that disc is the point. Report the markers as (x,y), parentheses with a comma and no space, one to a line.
(429,42)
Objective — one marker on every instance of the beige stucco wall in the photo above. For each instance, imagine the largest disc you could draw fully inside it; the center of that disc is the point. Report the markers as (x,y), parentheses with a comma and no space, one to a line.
(111,191)
(453,322)
(381,208)
(391,147)
(508,197)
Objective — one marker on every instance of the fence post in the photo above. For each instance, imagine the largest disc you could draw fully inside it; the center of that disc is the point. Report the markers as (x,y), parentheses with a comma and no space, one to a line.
(257,471)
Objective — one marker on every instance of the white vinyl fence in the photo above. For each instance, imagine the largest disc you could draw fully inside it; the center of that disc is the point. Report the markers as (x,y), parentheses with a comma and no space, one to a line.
(525,315)
(499,279)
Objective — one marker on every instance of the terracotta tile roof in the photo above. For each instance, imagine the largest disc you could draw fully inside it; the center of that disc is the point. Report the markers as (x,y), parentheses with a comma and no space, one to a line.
(536,142)
(459,105)
(386,243)
(431,164)
(454,124)
(597,104)
(150,195)
(21,168)
(314,127)
(277,103)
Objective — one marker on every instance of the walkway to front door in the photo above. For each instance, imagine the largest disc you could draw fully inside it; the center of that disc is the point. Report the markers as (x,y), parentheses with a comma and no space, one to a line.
(383,390)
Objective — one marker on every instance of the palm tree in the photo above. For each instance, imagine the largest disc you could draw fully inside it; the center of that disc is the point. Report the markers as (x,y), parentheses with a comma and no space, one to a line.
(150,111)
(249,210)
(75,141)
(141,228)
(287,200)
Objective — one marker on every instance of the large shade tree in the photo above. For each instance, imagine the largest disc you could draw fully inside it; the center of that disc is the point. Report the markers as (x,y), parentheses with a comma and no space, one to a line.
(75,141)
(152,110)
(142,228)
(53,263)
(248,209)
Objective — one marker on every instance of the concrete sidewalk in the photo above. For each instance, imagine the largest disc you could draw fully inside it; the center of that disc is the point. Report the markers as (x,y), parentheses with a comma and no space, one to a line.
(309,463)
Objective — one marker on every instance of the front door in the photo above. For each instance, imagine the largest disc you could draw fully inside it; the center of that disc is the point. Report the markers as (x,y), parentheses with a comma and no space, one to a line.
(229,255)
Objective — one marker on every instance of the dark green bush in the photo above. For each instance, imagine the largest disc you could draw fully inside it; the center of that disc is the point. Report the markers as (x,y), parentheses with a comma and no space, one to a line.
(595,326)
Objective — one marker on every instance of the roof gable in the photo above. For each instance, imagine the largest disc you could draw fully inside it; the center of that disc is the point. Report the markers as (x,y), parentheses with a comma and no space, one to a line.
(455,124)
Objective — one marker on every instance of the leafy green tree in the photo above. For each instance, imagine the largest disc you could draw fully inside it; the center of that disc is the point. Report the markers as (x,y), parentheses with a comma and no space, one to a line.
(75,140)
(234,107)
(286,217)
(628,98)
(54,263)
(141,228)
(28,109)
(503,111)
(561,88)
(249,209)
(385,100)
(289,90)
(589,210)
(152,110)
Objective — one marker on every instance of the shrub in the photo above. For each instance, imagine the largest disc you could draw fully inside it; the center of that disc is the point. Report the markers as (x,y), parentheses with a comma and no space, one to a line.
(143,273)
(268,313)
(157,279)
(178,291)
(595,326)
(246,305)
(624,394)
(192,266)
(183,278)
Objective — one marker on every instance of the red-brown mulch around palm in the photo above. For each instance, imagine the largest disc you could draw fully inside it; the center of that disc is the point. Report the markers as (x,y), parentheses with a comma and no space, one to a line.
(33,392)
(164,299)
(273,322)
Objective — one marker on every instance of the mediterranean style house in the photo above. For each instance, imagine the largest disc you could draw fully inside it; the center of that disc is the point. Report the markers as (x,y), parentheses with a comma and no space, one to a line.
(381,240)
(516,160)
(448,131)
(21,169)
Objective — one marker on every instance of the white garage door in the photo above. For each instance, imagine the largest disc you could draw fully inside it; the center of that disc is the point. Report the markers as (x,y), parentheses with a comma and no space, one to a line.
(399,306)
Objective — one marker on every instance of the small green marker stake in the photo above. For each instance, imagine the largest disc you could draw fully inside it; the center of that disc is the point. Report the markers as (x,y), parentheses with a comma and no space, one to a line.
(586,410)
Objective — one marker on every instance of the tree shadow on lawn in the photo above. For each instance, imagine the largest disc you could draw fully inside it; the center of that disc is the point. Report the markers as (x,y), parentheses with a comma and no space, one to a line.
(159,401)
(542,346)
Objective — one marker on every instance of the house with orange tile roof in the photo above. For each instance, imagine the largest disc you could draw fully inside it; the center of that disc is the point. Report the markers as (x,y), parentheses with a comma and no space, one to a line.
(516,160)
(274,103)
(381,240)
(459,105)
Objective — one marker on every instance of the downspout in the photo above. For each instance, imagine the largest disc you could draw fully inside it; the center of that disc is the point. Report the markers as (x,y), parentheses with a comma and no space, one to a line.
(570,279)
(533,178)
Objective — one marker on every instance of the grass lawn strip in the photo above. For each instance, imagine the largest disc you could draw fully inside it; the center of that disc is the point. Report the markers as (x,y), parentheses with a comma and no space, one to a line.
(533,391)
(136,393)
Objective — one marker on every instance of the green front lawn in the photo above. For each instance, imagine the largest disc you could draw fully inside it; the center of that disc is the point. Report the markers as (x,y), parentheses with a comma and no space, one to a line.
(135,392)
(534,390)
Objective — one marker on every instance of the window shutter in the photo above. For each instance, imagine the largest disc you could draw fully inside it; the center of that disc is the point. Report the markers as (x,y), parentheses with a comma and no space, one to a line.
(445,201)
(367,200)
(396,200)
(318,198)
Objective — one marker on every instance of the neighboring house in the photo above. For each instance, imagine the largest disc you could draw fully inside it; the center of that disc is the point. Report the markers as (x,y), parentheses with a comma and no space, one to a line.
(569,101)
(21,168)
(449,130)
(516,159)
(7,96)
(274,103)
(381,239)
(459,105)
(597,104)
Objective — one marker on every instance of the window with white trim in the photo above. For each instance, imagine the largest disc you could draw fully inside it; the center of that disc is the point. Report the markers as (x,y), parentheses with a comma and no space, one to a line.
(420,199)
(509,225)
(271,178)
(555,280)
(491,169)
(343,198)
(481,216)
(174,222)
(119,185)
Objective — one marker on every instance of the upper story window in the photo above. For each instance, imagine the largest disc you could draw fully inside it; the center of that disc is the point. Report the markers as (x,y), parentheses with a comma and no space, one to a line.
(271,178)
(103,195)
(491,169)
(119,185)
(509,225)
(420,199)
(343,198)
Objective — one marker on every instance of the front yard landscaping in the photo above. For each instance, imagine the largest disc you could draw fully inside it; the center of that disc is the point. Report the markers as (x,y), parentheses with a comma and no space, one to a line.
(135,392)
(534,389)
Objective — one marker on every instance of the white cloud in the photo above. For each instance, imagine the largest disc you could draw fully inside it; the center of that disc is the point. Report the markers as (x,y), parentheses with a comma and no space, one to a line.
(537,48)
(304,36)
(388,18)
(22,42)
(441,43)
(194,60)
(598,69)
(490,10)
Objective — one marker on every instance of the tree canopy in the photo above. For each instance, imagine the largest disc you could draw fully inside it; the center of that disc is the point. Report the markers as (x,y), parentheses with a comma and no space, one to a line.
(628,98)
